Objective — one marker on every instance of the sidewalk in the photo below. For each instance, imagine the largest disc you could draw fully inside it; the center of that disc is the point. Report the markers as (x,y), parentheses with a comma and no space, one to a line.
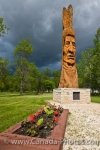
(83,130)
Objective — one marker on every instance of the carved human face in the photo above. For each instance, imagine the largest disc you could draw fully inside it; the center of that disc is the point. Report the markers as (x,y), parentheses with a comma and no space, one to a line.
(69,50)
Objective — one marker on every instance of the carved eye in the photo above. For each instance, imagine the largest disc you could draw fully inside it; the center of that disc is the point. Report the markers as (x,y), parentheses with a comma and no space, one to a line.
(67,42)
(73,43)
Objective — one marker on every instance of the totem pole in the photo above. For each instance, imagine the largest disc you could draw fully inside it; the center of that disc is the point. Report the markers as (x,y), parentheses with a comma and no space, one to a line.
(69,77)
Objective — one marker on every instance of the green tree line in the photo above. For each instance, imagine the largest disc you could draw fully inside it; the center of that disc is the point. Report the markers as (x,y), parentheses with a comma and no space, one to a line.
(26,77)
(89,66)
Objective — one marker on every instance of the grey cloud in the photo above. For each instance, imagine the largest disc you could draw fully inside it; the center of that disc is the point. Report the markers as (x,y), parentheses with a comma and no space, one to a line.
(41,21)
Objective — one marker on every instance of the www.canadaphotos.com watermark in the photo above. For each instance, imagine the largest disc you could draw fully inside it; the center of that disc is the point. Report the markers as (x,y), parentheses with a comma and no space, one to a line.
(64,141)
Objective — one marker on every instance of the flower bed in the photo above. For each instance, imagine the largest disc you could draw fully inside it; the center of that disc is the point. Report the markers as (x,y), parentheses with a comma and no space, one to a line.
(19,136)
(41,123)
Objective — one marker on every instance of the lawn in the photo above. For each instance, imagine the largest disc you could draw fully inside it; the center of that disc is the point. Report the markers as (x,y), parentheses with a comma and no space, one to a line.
(95,99)
(14,108)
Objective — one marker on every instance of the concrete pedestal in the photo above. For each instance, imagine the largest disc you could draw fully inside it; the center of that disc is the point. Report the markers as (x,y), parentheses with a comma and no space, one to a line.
(72,95)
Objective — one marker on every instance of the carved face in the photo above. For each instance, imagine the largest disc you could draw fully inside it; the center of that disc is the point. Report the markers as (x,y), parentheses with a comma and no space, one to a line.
(69,50)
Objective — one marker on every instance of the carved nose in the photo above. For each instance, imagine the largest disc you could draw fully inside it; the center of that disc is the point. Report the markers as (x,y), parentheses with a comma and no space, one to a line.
(71,51)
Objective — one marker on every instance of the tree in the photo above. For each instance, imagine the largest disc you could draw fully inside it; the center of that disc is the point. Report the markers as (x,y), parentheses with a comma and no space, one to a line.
(96,62)
(33,77)
(3,62)
(48,85)
(56,77)
(22,51)
(88,66)
(39,83)
(3,74)
(47,73)
(85,68)
(3,27)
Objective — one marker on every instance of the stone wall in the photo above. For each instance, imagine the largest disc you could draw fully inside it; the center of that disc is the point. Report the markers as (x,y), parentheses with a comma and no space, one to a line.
(72,95)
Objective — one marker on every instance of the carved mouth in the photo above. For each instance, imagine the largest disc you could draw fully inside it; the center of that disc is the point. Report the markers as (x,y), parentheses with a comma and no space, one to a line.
(69,64)
(71,57)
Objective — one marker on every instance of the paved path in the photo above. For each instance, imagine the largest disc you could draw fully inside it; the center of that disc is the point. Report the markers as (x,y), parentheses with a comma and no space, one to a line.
(83,129)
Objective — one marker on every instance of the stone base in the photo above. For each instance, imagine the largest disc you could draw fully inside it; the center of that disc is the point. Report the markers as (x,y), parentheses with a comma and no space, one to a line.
(72,95)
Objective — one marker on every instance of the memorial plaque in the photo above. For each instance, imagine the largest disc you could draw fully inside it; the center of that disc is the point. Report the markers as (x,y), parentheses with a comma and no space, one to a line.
(76,95)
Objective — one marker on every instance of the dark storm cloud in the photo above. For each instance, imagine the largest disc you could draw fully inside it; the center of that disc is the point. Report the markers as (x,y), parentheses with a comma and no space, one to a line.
(40,20)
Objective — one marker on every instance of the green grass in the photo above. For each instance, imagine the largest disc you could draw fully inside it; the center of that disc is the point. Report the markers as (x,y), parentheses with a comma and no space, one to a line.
(95,99)
(14,108)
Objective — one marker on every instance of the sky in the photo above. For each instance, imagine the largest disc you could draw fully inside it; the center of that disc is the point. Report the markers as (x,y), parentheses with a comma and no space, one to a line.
(41,21)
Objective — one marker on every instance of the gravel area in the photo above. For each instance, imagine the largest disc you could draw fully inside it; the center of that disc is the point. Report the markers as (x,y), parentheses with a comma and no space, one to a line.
(83,128)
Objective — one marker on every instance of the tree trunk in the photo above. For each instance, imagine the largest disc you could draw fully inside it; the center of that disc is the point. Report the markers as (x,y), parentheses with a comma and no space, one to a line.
(21,88)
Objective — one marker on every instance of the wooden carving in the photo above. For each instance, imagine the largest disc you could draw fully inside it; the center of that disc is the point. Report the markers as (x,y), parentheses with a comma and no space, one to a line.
(69,77)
